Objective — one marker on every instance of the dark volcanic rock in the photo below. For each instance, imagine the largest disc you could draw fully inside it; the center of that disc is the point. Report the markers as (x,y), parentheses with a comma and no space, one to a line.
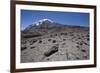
(51,51)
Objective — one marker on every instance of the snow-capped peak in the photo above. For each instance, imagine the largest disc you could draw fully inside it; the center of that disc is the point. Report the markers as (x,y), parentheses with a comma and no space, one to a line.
(41,21)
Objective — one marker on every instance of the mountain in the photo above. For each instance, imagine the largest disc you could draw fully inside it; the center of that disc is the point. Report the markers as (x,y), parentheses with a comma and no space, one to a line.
(45,26)
(41,27)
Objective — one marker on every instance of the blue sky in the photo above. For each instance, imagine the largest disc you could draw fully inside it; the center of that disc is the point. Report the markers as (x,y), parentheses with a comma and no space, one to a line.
(70,18)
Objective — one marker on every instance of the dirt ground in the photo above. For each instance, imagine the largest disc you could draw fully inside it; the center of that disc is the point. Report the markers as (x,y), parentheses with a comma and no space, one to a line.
(72,44)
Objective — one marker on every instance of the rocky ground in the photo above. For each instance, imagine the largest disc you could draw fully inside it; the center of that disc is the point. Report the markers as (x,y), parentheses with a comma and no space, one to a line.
(69,44)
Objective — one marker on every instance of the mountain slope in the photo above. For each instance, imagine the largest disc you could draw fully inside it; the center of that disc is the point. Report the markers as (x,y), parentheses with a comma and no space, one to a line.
(46,26)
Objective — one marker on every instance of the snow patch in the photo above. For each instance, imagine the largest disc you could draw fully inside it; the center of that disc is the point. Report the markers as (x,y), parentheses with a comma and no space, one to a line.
(37,23)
